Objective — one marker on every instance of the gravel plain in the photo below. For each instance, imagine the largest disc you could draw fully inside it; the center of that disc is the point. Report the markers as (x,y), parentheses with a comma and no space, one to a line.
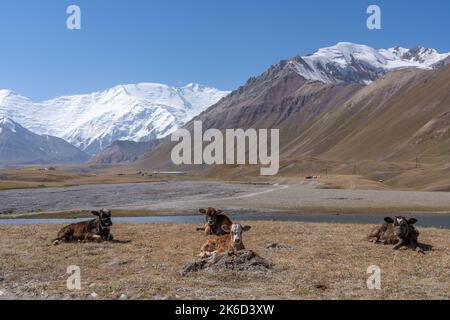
(187,196)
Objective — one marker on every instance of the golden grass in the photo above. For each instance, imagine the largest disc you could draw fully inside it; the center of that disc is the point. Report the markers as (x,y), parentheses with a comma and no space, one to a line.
(7,185)
(324,261)
(394,175)
(36,177)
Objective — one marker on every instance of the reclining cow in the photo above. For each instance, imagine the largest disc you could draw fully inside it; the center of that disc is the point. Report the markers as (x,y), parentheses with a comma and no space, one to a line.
(216,222)
(231,242)
(92,230)
(398,232)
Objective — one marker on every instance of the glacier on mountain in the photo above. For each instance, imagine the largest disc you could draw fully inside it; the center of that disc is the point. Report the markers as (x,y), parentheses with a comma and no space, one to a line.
(92,122)
(355,63)
(147,111)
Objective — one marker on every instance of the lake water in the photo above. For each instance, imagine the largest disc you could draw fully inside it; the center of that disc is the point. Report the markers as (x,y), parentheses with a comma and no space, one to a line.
(424,220)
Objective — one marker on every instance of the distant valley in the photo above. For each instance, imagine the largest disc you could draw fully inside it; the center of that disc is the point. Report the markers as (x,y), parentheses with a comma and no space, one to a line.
(340,105)
(92,122)
(392,126)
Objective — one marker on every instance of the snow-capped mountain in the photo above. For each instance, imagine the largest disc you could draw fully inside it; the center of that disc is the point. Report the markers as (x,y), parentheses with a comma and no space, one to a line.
(92,122)
(147,111)
(20,146)
(354,63)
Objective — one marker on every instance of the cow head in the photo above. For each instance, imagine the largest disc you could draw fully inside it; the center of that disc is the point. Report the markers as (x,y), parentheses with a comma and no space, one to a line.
(402,226)
(210,215)
(104,217)
(236,233)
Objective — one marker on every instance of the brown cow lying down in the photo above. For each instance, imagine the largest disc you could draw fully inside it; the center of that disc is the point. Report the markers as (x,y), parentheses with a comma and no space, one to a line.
(216,222)
(398,231)
(230,242)
(96,229)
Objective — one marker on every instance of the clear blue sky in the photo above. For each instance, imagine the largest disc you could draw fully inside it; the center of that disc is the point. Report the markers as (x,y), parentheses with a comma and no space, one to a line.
(215,42)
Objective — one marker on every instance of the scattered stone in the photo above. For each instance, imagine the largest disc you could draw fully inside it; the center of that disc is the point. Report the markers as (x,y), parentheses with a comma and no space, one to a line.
(321,287)
(94,295)
(123,297)
(275,246)
(193,267)
(1,293)
(245,260)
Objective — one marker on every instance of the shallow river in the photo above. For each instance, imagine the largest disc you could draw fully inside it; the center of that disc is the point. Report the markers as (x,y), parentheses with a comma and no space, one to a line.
(425,220)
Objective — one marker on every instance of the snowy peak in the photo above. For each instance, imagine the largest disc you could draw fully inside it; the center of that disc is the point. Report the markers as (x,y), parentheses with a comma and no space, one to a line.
(344,53)
(4,94)
(355,63)
(7,124)
(423,57)
(92,122)
(8,96)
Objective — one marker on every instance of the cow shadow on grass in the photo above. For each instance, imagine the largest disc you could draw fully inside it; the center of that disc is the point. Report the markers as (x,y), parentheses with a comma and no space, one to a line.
(421,248)
(120,241)
(115,241)
(425,247)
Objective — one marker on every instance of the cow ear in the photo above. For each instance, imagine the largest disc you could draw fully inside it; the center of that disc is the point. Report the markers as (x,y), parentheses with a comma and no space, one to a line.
(202,211)
(246,228)
(389,220)
(95,213)
(226,228)
(211,211)
(412,221)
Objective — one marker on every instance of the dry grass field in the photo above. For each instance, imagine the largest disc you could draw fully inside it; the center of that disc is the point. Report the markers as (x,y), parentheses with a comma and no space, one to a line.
(364,175)
(320,261)
(66,175)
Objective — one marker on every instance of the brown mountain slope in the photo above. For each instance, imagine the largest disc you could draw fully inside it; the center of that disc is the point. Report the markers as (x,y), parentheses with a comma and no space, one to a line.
(399,117)
(385,127)
(279,98)
(123,152)
(407,124)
